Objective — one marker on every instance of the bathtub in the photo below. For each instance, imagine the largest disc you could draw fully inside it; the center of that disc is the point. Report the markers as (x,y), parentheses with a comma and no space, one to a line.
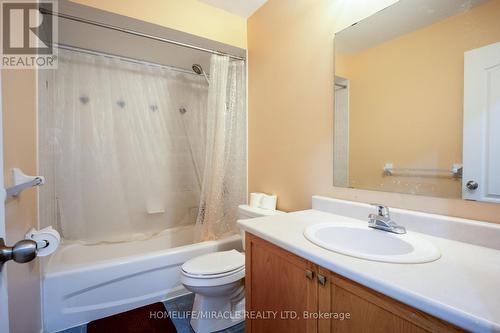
(82,283)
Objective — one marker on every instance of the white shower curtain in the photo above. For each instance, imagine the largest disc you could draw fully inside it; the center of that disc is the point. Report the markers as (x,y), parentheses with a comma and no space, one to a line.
(224,176)
(129,150)
(121,158)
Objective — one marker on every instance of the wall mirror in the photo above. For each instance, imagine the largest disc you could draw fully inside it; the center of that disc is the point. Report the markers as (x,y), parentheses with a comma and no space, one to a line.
(417,100)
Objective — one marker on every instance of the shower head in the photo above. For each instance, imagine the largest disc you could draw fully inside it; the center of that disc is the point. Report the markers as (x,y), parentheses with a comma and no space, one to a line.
(197,69)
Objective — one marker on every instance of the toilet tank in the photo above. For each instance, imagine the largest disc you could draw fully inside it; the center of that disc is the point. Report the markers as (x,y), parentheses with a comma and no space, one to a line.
(246,212)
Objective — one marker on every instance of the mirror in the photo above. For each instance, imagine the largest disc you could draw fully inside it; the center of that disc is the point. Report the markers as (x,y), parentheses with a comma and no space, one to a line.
(417,100)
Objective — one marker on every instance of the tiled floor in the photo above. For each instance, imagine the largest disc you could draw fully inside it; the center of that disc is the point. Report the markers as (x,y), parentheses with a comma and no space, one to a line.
(185,303)
(79,329)
(180,304)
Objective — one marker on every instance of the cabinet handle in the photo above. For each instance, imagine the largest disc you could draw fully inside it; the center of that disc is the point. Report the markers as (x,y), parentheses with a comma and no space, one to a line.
(309,274)
(321,279)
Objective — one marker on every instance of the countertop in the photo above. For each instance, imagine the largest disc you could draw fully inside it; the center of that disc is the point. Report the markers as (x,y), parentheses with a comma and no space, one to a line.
(462,287)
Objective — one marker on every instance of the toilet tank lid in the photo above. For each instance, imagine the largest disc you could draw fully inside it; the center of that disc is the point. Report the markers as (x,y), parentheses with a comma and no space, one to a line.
(256,212)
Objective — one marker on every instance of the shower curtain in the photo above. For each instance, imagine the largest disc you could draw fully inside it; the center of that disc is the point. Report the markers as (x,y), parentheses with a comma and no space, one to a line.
(224,175)
(116,148)
(129,150)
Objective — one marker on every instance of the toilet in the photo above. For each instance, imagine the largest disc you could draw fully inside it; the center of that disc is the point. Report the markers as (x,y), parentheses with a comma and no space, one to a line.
(217,280)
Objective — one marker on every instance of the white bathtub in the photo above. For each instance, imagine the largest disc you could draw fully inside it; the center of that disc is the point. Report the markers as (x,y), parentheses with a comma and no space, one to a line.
(82,283)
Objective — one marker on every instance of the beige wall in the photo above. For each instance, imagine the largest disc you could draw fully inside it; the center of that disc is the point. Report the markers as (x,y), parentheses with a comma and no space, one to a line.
(414,82)
(19,131)
(290,45)
(191,16)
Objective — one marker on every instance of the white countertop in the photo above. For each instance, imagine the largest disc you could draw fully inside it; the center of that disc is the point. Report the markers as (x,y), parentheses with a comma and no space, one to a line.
(462,287)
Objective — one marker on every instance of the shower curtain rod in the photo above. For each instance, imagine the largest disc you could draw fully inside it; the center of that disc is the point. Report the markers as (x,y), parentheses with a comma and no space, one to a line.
(127,59)
(136,33)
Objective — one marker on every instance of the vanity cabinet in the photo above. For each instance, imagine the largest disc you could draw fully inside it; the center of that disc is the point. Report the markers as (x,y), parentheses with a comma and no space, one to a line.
(286,293)
(278,286)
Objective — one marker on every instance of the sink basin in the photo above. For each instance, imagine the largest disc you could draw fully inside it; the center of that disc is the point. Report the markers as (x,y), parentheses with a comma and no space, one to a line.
(372,244)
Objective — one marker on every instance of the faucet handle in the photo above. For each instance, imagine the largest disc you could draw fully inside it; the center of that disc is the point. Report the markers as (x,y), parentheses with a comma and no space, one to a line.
(381,209)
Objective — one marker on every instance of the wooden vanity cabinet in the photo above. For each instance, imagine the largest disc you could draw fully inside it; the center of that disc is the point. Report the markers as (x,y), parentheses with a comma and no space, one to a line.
(277,283)
(280,285)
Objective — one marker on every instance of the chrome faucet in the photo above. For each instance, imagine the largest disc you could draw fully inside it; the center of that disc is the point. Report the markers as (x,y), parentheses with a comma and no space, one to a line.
(382,220)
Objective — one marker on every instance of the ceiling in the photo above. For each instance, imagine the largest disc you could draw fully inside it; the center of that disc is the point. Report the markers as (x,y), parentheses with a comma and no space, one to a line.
(243,8)
(397,20)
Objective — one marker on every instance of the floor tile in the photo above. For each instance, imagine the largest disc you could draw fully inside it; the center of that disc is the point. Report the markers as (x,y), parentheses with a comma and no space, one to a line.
(179,306)
(185,303)
(78,329)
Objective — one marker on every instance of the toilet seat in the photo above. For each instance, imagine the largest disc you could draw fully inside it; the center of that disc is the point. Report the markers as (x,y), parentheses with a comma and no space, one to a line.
(212,276)
(206,281)
(214,263)
(214,269)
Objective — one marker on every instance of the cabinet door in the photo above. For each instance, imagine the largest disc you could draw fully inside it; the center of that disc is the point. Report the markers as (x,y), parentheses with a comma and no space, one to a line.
(280,288)
(369,311)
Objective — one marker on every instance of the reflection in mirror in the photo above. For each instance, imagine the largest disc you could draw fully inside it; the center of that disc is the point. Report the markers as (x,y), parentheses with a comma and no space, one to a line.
(417,100)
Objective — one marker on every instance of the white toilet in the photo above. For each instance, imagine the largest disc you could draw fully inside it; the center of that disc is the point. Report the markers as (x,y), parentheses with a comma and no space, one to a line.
(217,281)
